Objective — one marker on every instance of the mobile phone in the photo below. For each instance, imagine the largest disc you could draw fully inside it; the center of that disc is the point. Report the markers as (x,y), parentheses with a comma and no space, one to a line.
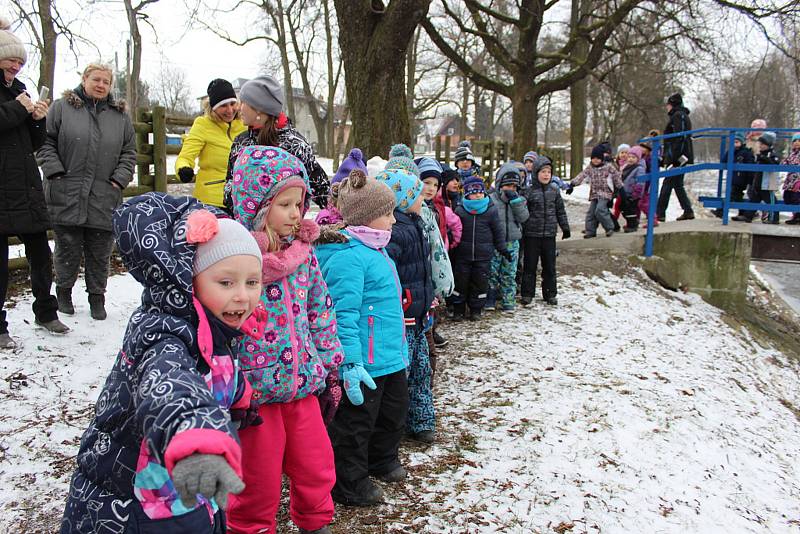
(44,92)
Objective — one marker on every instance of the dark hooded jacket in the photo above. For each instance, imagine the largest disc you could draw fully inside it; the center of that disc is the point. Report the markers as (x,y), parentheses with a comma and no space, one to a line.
(22,206)
(546,211)
(411,254)
(156,406)
(90,146)
(676,147)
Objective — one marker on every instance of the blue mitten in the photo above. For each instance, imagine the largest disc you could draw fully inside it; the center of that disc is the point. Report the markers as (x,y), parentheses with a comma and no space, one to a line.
(353,374)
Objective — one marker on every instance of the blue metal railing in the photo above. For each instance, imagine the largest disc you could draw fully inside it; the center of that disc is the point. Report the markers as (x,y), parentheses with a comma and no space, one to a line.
(724,179)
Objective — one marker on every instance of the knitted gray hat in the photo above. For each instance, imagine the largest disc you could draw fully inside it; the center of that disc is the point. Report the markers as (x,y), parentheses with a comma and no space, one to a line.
(464,151)
(264,94)
(10,45)
(230,239)
(363,199)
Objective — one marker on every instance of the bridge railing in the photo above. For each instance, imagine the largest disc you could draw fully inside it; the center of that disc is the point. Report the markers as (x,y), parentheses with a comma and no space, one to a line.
(726,168)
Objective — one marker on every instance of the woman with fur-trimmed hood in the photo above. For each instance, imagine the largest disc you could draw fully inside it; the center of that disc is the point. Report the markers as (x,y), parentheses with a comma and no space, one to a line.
(87,160)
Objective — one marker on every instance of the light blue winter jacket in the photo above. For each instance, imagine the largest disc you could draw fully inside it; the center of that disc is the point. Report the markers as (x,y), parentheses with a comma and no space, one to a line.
(365,289)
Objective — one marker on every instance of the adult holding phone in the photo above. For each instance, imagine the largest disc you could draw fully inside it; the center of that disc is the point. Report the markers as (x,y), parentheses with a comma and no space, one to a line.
(209,143)
(678,151)
(88,159)
(22,208)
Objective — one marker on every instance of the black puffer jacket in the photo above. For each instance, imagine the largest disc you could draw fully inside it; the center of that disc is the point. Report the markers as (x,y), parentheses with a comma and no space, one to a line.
(411,254)
(481,235)
(546,211)
(22,207)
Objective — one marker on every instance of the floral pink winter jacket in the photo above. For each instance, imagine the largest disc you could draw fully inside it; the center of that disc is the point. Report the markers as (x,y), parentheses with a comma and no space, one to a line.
(300,346)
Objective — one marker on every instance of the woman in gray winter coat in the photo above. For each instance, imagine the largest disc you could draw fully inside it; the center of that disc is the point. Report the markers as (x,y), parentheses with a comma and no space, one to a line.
(87,159)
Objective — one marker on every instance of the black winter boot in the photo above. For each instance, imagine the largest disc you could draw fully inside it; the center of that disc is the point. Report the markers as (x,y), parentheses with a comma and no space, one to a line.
(97,307)
(64,297)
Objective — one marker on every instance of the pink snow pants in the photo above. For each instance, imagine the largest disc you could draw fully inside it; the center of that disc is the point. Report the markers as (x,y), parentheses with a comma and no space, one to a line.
(292,440)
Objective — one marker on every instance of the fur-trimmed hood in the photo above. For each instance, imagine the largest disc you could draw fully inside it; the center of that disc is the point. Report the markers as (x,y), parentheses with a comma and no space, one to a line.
(331,233)
(74,98)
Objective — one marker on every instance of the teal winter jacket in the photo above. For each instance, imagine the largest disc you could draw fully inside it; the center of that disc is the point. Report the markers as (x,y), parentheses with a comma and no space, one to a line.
(365,289)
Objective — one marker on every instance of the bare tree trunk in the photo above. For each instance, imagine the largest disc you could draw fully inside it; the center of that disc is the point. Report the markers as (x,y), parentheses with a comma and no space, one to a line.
(462,128)
(411,71)
(333,81)
(280,26)
(132,89)
(577,99)
(525,115)
(374,53)
(47,64)
(302,59)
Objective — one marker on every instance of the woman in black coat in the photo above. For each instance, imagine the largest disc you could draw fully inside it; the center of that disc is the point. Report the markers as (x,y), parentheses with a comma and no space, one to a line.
(22,208)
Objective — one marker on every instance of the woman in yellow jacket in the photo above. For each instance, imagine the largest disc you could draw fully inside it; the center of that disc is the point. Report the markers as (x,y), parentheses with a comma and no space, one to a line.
(210,140)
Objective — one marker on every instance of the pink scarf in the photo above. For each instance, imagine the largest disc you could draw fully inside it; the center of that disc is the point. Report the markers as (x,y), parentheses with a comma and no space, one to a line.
(277,265)
(370,236)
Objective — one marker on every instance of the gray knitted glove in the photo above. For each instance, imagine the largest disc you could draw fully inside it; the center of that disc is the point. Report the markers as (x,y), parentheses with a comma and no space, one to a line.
(206,474)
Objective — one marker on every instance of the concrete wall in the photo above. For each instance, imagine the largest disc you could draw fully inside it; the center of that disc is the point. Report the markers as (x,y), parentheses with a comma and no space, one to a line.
(713,264)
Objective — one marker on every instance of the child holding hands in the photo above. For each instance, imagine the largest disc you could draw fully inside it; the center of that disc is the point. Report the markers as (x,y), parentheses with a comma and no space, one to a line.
(365,289)
(161,453)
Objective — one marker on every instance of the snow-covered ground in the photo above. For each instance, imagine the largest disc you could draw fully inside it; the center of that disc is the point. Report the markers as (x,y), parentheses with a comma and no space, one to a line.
(625,409)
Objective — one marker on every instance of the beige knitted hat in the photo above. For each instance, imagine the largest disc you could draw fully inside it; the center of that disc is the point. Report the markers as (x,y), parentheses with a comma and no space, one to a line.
(10,45)
(363,199)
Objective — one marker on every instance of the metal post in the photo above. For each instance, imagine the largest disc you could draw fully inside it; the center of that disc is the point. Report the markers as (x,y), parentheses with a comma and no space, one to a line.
(722,148)
(726,202)
(651,208)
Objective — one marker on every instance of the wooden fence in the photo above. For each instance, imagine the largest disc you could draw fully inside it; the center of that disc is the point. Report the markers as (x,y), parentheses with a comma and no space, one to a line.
(494,153)
(151,161)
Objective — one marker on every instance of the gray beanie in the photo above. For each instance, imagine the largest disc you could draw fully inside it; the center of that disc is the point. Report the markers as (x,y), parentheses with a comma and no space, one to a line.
(231,239)
(264,94)
(10,45)
(363,199)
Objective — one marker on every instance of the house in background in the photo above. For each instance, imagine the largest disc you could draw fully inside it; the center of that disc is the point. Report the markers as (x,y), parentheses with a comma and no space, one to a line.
(452,125)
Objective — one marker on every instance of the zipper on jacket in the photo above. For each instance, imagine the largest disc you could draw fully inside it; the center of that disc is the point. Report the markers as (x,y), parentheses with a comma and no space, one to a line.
(399,289)
(474,218)
(292,335)
(371,321)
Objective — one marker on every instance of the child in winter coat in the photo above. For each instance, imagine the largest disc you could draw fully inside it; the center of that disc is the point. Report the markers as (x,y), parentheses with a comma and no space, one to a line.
(742,180)
(365,289)
(297,357)
(161,454)
(791,185)
(451,193)
(330,214)
(547,212)
(644,196)
(513,212)
(632,190)
(764,185)
(482,233)
(604,180)
(465,160)
(448,222)
(410,251)
(434,223)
